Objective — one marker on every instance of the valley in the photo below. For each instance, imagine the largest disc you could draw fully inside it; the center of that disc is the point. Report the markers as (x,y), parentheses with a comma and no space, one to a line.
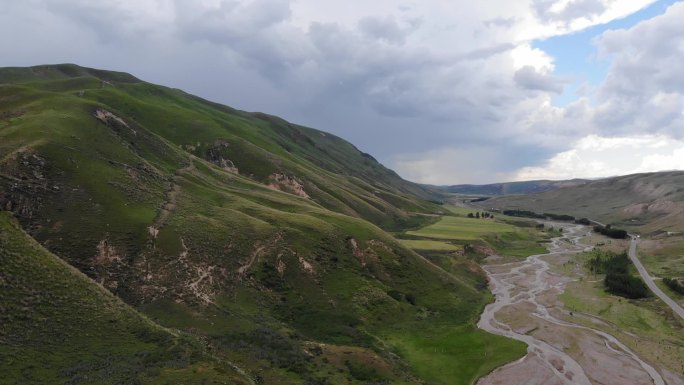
(183,241)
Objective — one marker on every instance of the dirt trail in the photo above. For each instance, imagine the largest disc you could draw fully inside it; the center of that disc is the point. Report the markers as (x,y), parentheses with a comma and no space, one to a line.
(559,352)
(170,202)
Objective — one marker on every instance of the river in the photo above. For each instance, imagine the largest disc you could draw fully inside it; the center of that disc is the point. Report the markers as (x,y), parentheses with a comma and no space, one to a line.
(559,352)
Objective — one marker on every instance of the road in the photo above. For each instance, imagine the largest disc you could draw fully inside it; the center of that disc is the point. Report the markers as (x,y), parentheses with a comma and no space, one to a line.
(649,280)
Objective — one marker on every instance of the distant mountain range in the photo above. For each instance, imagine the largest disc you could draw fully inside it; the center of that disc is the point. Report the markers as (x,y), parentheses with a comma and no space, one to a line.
(510,188)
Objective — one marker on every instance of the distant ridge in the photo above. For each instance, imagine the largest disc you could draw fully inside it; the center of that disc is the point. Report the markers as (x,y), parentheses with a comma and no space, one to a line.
(649,202)
(510,188)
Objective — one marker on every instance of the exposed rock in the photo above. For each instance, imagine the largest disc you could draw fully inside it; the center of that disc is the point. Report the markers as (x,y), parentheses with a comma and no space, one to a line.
(215,154)
(106,253)
(286,183)
(358,253)
(110,119)
(153,231)
(306,265)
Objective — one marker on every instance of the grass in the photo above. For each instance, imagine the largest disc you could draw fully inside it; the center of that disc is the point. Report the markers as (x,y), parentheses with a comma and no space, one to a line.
(429,245)
(456,356)
(663,257)
(451,227)
(59,326)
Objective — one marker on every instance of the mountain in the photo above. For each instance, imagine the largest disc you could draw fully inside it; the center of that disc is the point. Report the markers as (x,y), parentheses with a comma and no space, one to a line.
(209,240)
(650,203)
(509,188)
(54,316)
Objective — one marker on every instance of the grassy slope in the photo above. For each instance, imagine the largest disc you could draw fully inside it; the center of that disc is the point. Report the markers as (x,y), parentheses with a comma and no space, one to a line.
(60,327)
(644,202)
(332,171)
(264,277)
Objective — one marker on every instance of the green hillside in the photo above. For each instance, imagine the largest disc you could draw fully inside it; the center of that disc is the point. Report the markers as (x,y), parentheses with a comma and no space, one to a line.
(58,326)
(265,241)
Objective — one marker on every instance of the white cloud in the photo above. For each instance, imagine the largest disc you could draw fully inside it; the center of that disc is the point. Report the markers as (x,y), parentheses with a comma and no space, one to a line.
(597,157)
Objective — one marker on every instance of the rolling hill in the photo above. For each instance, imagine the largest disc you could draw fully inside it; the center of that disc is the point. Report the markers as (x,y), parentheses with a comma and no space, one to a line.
(650,203)
(236,245)
(509,188)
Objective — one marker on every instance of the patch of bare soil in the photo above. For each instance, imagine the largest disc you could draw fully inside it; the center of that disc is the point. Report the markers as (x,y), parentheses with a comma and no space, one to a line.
(531,370)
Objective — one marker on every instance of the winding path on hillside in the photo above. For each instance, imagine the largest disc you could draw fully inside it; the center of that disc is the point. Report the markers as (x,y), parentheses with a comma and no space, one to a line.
(649,280)
(522,291)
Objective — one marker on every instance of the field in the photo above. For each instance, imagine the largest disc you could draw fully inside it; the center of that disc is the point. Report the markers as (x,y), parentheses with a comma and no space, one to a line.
(447,355)
(428,245)
(457,356)
(461,228)
(663,257)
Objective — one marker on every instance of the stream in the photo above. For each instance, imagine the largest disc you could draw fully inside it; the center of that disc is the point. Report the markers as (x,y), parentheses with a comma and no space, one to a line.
(535,271)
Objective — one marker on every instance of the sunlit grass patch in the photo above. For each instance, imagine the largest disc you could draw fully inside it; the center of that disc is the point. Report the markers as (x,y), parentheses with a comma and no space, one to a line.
(428,245)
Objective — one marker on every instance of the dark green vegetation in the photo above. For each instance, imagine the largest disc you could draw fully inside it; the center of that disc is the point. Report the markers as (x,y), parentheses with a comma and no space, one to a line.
(523,214)
(532,214)
(58,326)
(264,240)
(618,278)
(648,203)
(674,284)
(583,221)
(611,232)
(510,188)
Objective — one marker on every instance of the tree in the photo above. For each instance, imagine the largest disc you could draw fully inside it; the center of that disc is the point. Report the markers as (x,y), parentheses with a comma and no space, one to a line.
(477,215)
(470,215)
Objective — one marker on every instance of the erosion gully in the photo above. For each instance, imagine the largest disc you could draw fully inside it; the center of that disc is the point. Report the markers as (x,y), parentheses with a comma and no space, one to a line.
(535,272)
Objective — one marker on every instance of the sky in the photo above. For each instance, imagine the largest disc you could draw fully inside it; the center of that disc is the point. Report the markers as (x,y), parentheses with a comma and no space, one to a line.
(443,92)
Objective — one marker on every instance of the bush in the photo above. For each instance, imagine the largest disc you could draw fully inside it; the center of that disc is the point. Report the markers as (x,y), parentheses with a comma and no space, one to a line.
(523,214)
(559,217)
(626,285)
(675,285)
(583,221)
(396,294)
(618,281)
(608,231)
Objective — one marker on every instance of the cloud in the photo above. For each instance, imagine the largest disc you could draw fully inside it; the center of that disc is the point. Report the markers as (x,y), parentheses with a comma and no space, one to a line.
(597,157)
(413,83)
(644,90)
(528,78)
(386,28)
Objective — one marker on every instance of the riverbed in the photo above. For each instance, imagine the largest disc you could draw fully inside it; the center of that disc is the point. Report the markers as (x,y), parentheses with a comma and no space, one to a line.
(527,308)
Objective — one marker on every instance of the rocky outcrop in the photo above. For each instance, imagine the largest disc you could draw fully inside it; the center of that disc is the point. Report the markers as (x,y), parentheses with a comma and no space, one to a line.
(109,118)
(215,154)
(286,183)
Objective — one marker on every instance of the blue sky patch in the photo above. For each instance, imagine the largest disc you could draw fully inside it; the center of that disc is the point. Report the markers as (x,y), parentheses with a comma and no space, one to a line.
(575,54)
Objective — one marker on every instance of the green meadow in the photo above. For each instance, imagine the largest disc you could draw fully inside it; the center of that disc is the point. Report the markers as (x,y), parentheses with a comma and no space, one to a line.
(462,228)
